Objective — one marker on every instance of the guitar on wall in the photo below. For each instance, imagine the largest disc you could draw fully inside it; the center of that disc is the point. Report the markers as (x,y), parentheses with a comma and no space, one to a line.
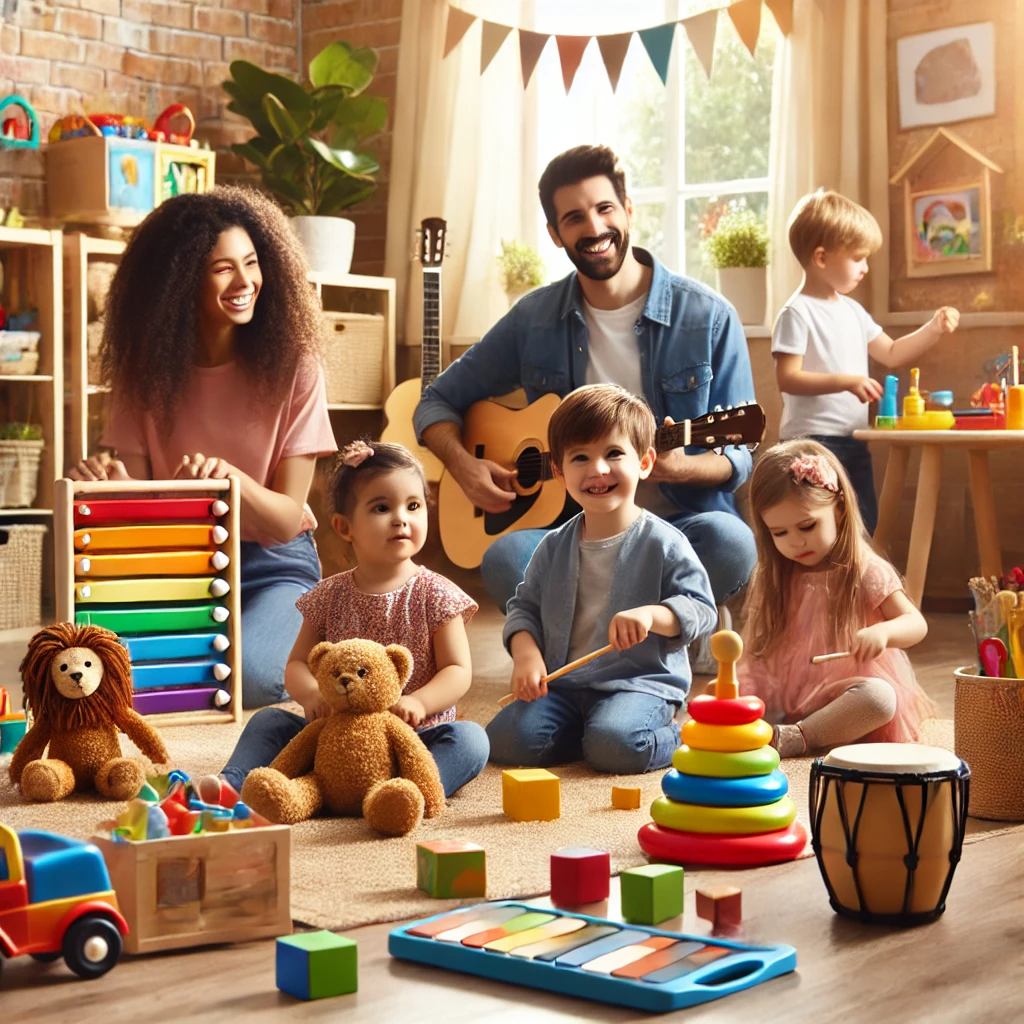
(402,402)
(490,431)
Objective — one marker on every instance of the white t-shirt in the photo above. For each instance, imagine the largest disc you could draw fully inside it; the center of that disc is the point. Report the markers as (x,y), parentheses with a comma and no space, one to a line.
(833,337)
(597,567)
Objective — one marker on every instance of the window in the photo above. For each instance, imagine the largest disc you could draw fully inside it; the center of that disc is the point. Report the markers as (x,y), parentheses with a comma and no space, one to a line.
(686,146)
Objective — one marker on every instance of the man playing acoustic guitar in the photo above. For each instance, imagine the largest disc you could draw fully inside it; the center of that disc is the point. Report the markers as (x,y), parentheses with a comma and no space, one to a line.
(621,318)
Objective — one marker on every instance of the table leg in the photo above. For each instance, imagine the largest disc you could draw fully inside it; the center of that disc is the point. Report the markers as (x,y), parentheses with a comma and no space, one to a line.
(923,527)
(892,495)
(985,514)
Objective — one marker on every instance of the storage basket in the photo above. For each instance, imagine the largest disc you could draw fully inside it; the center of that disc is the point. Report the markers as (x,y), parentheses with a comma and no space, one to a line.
(355,358)
(19,352)
(21,575)
(988,725)
(21,484)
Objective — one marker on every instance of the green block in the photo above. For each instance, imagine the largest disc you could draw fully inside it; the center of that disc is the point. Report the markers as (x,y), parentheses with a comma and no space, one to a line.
(315,965)
(652,893)
(152,619)
(446,869)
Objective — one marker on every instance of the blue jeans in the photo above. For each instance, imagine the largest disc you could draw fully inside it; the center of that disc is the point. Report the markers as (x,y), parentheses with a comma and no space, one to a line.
(855,457)
(273,579)
(723,543)
(459,748)
(620,733)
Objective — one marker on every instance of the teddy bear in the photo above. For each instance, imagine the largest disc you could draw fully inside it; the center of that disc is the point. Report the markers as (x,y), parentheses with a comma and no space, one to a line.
(78,683)
(347,761)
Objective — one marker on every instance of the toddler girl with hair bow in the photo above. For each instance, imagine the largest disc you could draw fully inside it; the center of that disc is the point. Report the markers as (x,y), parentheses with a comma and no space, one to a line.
(820,588)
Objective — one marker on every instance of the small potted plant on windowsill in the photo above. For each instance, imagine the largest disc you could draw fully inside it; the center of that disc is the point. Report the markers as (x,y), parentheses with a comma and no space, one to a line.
(521,268)
(735,243)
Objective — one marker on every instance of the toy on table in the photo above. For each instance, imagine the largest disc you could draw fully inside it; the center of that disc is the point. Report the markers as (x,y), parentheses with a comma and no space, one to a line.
(1015,396)
(78,683)
(725,799)
(531,794)
(347,761)
(316,965)
(12,724)
(626,798)
(18,132)
(588,957)
(175,124)
(916,416)
(887,417)
(451,870)
(722,905)
(56,900)
(71,126)
(580,875)
(887,823)
(651,893)
(564,670)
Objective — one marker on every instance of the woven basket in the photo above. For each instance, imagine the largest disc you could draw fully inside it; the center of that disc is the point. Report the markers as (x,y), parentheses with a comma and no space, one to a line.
(355,358)
(988,726)
(21,485)
(21,575)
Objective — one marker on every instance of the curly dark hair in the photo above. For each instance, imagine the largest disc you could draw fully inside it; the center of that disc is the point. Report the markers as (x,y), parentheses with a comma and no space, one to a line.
(150,339)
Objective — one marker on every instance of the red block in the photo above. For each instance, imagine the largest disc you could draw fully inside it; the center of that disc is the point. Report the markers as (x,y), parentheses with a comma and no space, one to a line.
(722,905)
(580,875)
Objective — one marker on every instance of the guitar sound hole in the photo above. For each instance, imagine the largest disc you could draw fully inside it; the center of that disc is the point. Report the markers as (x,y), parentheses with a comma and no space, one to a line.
(529,465)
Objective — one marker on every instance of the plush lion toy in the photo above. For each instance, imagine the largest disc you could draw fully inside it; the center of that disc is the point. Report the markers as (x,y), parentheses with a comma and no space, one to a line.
(78,683)
(361,757)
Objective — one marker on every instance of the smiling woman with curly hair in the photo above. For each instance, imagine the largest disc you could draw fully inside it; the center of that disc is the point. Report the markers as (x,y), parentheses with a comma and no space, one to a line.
(211,349)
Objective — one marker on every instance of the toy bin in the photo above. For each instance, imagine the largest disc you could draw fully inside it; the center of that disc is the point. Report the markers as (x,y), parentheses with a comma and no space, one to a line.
(988,726)
(19,353)
(355,358)
(201,889)
(22,481)
(21,575)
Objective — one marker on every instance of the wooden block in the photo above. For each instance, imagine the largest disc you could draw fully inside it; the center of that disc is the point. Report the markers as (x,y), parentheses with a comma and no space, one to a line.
(451,869)
(315,965)
(579,875)
(652,893)
(626,798)
(722,905)
(531,794)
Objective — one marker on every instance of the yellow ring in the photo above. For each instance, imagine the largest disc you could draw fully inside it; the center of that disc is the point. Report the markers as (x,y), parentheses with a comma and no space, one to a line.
(727,738)
(724,820)
(713,765)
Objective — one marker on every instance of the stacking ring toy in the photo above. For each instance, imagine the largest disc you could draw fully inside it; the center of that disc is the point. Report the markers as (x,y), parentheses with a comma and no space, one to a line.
(725,820)
(664,844)
(749,792)
(725,766)
(736,711)
(727,738)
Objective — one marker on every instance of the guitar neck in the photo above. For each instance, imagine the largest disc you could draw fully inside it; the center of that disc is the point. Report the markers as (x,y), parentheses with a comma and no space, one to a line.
(430,358)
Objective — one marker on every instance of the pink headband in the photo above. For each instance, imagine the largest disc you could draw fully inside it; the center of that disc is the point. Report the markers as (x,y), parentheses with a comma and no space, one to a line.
(356,453)
(815,470)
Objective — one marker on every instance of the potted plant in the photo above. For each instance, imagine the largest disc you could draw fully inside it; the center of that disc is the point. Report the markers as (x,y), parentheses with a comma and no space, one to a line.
(735,243)
(307,141)
(521,268)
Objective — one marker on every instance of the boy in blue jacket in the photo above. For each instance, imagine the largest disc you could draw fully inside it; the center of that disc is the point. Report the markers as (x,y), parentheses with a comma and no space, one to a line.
(614,574)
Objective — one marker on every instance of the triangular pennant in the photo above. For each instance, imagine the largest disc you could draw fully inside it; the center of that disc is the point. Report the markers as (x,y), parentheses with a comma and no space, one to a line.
(782,11)
(658,44)
(613,53)
(491,38)
(570,53)
(531,46)
(458,25)
(746,16)
(700,30)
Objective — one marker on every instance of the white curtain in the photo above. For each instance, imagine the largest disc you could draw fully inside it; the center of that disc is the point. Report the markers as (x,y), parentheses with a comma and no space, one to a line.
(829,128)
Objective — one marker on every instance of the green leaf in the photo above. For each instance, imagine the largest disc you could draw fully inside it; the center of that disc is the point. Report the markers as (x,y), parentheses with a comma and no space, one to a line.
(281,120)
(364,115)
(254,83)
(356,164)
(343,194)
(339,64)
(251,153)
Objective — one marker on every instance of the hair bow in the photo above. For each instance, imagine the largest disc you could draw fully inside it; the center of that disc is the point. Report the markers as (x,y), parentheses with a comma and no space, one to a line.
(356,453)
(815,470)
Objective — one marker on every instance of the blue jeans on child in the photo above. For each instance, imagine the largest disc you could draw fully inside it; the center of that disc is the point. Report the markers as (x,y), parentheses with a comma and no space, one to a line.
(621,733)
(459,748)
(855,457)
(273,579)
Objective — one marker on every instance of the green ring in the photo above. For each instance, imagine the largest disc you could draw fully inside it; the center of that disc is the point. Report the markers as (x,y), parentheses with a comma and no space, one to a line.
(714,765)
(724,820)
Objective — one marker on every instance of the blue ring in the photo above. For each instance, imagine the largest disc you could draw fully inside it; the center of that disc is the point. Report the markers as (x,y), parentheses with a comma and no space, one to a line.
(751,791)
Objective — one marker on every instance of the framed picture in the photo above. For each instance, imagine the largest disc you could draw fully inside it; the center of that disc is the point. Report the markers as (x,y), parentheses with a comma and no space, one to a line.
(949,231)
(947,75)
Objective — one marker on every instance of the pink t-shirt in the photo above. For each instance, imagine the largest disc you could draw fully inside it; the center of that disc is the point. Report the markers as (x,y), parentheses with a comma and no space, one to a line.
(220,415)
(338,610)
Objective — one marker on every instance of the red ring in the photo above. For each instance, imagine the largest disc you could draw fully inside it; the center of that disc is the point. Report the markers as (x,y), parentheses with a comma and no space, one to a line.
(735,711)
(725,850)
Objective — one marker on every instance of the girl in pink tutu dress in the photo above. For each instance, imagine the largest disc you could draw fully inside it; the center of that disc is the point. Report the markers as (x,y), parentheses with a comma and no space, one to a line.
(820,588)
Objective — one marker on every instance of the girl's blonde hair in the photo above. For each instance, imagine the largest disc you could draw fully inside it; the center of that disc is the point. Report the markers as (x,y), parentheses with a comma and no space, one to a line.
(772,482)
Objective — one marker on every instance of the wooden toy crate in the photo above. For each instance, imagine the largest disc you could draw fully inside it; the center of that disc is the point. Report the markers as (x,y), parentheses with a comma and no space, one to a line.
(21,574)
(197,890)
(356,345)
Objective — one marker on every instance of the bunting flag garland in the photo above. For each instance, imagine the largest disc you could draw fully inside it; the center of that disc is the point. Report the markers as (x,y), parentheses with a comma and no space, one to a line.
(657,40)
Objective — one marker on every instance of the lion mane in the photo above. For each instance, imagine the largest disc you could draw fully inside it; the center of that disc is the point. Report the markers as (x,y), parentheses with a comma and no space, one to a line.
(107,704)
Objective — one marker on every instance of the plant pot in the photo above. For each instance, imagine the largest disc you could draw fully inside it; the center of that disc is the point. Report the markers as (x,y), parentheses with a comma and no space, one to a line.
(327,243)
(747,289)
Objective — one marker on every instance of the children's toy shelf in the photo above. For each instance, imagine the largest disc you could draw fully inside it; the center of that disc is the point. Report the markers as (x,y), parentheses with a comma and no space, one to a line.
(158,563)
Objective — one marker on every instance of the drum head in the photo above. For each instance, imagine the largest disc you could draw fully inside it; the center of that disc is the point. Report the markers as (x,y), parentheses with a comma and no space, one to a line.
(895,758)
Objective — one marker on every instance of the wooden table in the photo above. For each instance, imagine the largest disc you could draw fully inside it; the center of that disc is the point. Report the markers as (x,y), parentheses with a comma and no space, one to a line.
(932,443)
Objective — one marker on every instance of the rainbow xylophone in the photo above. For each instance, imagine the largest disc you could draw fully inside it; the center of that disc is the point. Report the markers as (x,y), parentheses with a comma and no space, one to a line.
(157,562)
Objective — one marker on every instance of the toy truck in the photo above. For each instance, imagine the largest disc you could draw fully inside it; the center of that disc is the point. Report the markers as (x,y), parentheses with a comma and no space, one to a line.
(56,901)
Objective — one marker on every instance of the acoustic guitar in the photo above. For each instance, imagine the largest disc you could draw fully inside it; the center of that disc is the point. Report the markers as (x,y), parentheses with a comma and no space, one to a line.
(517,439)
(401,403)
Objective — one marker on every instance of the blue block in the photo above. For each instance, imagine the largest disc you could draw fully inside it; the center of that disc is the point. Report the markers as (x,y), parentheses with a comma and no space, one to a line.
(149,675)
(168,646)
(314,965)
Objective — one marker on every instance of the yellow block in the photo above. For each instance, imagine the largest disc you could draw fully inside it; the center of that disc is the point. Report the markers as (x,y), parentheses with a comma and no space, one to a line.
(727,738)
(729,820)
(531,794)
(626,798)
(197,588)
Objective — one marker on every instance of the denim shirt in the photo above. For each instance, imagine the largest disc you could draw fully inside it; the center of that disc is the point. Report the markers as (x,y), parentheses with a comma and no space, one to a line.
(693,357)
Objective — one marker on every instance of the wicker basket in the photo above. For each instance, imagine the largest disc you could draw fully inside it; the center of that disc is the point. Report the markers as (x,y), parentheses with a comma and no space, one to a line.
(355,358)
(21,484)
(988,725)
(21,575)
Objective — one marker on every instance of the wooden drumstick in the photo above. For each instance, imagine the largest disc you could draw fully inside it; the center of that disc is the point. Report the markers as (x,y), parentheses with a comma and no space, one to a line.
(509,697)
(819,658)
